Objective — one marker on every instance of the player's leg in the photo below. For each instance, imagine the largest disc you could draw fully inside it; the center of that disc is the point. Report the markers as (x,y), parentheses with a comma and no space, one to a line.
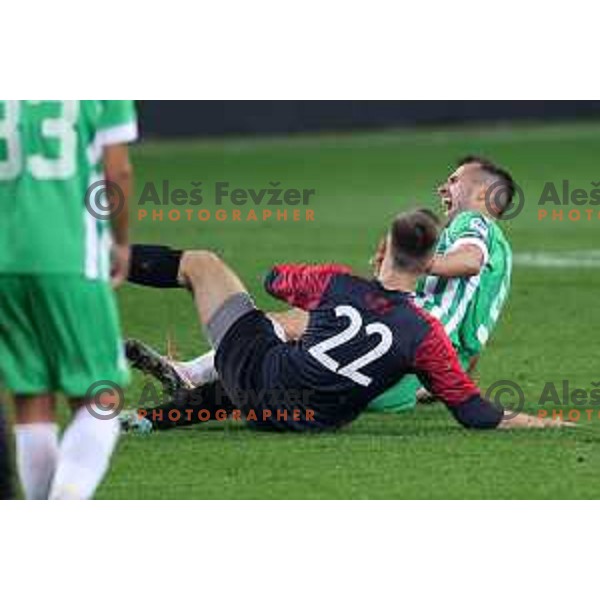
(221,301)
(199,370)
(6,481)
(240,334)
(208,395)
(189,374)
(24,371)
(214,286)
(84,453)
(242,337)
(399,398)
(171,375)
(219,295)
(36,440)
(82,334)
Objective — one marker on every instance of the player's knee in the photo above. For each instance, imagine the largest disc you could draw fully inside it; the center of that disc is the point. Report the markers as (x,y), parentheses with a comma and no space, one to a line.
(198,263)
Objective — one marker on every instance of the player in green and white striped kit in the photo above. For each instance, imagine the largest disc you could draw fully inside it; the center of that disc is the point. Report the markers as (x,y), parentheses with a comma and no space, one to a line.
(59,325)
(470,276)
(470,306)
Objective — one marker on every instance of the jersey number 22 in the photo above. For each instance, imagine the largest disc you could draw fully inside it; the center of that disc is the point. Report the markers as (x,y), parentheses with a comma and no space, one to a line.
(319,351)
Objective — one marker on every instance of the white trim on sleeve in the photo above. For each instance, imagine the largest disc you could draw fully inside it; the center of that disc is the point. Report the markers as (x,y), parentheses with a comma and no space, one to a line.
(120,134)
(471,241)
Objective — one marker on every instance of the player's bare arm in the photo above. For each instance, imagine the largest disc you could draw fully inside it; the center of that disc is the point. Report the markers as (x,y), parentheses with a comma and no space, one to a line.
(525,421)
(465,261)
(118,170)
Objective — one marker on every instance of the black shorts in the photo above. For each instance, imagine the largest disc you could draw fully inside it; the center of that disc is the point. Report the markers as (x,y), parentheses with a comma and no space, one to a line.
(247,360)
(242,351)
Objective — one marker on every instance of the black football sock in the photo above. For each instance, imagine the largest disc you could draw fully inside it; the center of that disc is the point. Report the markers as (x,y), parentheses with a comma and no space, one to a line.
(154,266)
(6,480)
(190,407)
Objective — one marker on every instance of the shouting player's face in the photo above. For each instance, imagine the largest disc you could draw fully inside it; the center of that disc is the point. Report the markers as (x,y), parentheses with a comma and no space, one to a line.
(463,190)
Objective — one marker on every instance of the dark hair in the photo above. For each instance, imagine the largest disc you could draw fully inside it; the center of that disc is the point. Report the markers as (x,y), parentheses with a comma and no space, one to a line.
(505,188)
(413,237)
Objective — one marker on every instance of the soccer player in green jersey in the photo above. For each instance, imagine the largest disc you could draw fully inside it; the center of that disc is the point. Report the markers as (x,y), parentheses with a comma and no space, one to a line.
(60,250)
(469,279)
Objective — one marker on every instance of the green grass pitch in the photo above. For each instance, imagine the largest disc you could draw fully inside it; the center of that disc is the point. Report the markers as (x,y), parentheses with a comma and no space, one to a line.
(548,331)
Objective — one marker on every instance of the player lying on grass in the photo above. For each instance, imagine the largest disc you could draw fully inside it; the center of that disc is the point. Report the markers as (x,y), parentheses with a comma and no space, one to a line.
(465,287)
(362,337)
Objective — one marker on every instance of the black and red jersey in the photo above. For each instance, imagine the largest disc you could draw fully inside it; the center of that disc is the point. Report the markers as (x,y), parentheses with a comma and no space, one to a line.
(360,340)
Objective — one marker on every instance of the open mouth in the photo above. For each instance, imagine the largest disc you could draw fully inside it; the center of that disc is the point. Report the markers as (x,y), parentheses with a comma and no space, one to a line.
(447,203)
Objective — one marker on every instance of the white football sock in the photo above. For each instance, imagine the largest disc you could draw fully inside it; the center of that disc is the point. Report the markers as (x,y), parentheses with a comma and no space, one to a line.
(200,370)
(84,456)
(37,453)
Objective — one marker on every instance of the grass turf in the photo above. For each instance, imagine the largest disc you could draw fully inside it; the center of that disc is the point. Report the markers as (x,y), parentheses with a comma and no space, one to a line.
(546,332)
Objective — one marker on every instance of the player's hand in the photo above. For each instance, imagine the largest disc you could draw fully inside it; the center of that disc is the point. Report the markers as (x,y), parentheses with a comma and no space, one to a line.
(524,421)
(119,269)
(424,396)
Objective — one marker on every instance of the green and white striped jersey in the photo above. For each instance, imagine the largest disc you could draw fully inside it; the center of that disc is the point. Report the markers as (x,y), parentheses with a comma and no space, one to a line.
(50,153)
(469,307)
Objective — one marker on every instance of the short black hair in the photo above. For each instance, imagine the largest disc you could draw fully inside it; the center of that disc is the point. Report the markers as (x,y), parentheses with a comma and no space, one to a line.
(413,237)
(504,196)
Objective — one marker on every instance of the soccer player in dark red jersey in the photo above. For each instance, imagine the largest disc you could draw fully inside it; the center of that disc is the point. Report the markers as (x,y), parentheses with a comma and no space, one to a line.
(362,336)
